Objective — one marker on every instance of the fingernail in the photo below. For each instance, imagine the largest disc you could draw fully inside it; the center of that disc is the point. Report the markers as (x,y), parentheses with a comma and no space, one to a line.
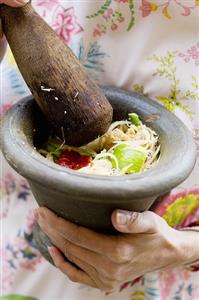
(53,253)
(123,217)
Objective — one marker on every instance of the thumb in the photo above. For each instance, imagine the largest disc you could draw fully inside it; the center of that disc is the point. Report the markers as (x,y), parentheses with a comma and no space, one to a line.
(133,222)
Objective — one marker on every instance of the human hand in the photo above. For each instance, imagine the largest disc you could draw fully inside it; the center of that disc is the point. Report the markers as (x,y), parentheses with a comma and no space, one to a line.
(146,244)
(14,3)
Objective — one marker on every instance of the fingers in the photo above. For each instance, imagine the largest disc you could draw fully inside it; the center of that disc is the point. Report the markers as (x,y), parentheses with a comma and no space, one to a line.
(134,222)
(78,235)
(67,248)
(105,266)
(14,3)
(72,272)
(87,275)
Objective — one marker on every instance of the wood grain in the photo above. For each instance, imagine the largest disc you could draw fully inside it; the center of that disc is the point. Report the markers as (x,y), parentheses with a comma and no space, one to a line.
(69,98)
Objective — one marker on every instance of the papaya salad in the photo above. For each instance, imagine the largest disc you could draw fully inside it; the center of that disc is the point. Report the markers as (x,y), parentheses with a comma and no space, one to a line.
(127,147)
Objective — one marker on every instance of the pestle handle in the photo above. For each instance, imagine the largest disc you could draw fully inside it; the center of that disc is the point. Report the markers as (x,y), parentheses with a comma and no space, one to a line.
(71,101)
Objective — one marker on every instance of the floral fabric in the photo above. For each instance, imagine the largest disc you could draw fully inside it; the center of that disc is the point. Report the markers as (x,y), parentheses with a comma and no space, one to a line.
(148,46)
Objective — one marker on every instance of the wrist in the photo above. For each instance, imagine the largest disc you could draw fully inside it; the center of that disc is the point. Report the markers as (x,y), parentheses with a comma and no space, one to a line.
(187,246)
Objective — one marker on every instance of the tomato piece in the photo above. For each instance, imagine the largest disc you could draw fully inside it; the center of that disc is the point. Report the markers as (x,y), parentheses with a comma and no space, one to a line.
(73,160)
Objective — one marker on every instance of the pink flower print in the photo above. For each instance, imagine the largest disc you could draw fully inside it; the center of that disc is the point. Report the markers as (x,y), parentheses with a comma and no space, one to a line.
(108,14)
(30,265)
(9,183)
(7,277)
(65,23)
(179,208)
(187,11)
(167,279)
(48,4)
(114,26)
(19,244)
(191,219)
(121,1)
(147,7)
(30,222)
(4,108)
(164,201)
(191,54)
(97,32)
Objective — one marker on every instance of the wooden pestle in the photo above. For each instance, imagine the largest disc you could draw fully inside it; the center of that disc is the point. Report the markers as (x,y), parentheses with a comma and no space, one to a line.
(71,101)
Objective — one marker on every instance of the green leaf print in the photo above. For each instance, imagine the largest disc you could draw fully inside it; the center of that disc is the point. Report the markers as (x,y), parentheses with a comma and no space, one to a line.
(176,96)
(102,10)
(92,57)
(194,94)
(16,297)
(132,11)
(167,103)
(139,89)
(112,18)
(179,210)
(138,295)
